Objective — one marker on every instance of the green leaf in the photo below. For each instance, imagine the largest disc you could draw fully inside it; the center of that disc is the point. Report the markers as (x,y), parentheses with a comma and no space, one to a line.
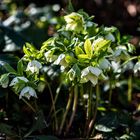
(49,42)
(9,68)
(39,123)
(7,129)
(128,137)
(60,45)
(131,48)
(29,49)
(88,48)
(70,7)
(103,128)
(74,72)
(107,123)
(70,60)
(102,45)
(4,80)
(78,50)
(26,51)
(83,56)
(20,67)
(101,108)
(9,58)
(85,15)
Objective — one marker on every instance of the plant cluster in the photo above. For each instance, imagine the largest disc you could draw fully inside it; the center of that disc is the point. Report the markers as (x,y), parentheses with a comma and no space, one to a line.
(74,69)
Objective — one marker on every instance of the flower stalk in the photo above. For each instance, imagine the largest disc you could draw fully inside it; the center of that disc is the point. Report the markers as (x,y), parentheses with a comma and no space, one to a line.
(66,112)
(129,97)
(90,127)
(53,105)
(74,108)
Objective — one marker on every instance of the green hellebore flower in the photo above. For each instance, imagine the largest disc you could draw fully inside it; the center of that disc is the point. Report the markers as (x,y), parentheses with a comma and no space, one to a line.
(27,92)
(4,80)
(75,22)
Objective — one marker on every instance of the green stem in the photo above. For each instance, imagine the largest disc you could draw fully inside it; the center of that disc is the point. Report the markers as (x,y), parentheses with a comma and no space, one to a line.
(89,108)
(132,58)
(81,90)
(74,108)
(66,112)
(130,88)
(90,103)
(29,105)
(55,99)
(36,106)
(57,92)
(110,91)
(95,111)
(53,105)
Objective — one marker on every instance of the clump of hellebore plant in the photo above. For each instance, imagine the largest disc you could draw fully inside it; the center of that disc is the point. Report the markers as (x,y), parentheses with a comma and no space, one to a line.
(85,52)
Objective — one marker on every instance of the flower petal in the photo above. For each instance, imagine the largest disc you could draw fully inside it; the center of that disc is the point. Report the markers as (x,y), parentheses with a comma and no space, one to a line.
(27,92)
(59,59)
(16,80)
(34,66)
(92,78)
(95,71)
(84,72)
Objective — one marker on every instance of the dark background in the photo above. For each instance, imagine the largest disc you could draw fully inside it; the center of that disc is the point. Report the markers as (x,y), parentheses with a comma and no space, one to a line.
(124,14)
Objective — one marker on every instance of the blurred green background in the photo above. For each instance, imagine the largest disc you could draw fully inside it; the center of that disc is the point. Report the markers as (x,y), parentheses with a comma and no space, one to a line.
(124,14)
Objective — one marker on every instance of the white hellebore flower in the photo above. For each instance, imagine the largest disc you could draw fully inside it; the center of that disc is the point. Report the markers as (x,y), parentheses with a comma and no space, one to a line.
(104,63)
(27,92)
(50,57)
(17,79)
(116,67)
(61,61)
(137,67)
(110,37)
(121,52)
(34,66)
(95,42)
(90,74)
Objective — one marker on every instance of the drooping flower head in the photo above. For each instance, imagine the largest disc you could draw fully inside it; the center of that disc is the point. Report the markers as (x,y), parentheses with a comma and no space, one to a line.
(34,66)
(90,74)
(75,22)
(17,79)
(27,92)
